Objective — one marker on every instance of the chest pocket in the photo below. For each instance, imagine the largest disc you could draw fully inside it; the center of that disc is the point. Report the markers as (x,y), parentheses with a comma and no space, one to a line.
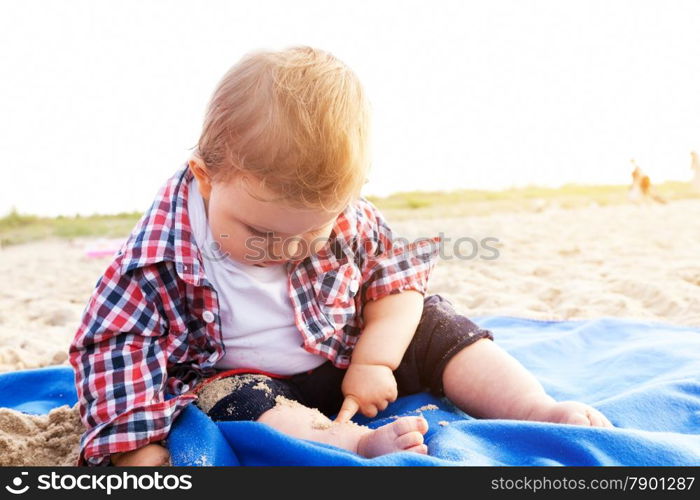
(335,293)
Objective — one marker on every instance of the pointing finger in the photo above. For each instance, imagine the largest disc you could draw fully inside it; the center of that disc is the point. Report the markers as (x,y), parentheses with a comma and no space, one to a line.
(348,410)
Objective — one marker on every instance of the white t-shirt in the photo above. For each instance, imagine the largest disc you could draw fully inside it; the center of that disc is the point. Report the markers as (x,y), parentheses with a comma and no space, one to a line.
(257,315)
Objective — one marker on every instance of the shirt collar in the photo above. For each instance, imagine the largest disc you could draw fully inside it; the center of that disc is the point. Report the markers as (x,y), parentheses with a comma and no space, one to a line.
(164,233)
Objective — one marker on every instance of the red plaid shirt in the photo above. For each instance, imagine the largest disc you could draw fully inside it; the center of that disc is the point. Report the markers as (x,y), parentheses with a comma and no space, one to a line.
(151,328)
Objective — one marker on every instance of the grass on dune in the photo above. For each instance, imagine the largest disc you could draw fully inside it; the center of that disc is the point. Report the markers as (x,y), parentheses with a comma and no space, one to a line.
(480,202)
(603,194)
(18,228)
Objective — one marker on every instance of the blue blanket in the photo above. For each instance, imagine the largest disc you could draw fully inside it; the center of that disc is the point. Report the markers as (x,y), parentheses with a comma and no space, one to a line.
(645,377)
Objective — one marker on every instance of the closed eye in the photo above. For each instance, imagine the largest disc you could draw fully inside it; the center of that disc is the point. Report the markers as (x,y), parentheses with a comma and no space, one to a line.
(256,232)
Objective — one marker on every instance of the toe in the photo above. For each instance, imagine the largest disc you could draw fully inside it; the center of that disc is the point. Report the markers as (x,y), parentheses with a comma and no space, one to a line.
(607,423)
(598,419)
(402,426)
(405,425)
(594,419)
(409,440)
(421,425)
(421,448)
(578,418)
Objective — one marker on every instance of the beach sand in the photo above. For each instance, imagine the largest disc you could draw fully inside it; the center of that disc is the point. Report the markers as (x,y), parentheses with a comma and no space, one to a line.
(626,261)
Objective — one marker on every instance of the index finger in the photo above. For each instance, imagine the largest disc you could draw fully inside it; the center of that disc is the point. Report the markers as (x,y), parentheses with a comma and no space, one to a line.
(348,410)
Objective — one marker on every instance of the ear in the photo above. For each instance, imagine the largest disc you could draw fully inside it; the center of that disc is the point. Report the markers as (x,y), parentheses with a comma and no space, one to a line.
(200,172)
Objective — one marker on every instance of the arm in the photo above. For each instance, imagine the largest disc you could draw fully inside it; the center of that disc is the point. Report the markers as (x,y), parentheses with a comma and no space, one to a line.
(389,325)
(119,359)
(394,282)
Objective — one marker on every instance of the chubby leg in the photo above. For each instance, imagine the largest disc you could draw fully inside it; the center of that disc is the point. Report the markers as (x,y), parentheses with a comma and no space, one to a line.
(275,403)
(297,420)
(487,382)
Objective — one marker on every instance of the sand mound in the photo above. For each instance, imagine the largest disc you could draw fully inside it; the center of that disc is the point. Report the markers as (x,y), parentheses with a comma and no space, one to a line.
(40,440)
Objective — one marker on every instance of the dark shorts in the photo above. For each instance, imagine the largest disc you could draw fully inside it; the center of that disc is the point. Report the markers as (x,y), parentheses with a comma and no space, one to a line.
(441,333)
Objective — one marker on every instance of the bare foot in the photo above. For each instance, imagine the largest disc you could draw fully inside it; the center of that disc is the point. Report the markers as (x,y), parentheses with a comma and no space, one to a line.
(404,434)
(569,412)
(295,419)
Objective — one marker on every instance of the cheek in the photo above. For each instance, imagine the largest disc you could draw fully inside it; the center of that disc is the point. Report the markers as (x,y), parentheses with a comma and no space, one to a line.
(226,234)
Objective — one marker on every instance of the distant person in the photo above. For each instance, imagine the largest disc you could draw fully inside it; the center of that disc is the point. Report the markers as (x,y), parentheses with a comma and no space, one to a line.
(640,190)
(695,167)
(635,191)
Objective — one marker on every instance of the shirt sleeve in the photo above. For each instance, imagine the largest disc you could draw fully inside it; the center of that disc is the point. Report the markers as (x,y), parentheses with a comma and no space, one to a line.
(119,356)
(391,264)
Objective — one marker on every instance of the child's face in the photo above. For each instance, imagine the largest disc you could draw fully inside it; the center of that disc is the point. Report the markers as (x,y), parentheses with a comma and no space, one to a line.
(256,232)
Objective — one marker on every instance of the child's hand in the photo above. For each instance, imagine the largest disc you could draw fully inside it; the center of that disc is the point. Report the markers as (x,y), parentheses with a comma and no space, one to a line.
(368,388)
(151,455)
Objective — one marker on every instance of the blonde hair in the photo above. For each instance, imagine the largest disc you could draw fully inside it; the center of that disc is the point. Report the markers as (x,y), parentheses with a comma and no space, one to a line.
(296,119)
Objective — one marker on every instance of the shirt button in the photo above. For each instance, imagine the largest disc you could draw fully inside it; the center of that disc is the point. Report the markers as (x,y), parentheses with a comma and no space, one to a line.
(354,285)
(208,316)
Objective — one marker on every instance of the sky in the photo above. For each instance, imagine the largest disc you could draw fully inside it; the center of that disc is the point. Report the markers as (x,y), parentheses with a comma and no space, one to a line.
(102,101)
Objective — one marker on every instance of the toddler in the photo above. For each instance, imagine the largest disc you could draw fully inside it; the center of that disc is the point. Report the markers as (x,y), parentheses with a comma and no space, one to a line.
(262,286)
